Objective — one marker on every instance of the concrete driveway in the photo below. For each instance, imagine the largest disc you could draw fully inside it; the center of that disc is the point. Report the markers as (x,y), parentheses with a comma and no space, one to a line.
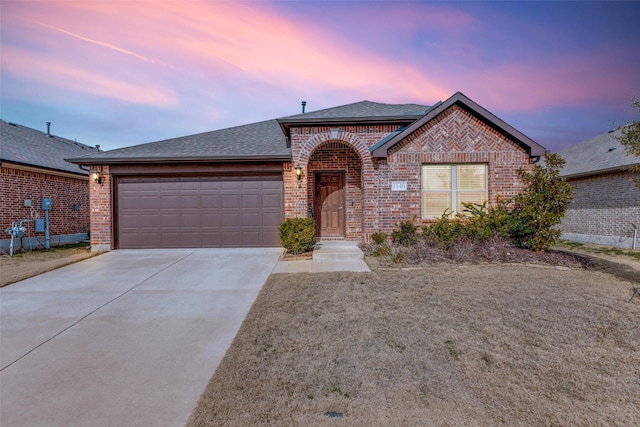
(128,338)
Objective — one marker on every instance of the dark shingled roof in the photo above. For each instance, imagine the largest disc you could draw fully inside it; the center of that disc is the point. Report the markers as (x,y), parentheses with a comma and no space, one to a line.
(363,112)
(252,142)
(362,109)
(26,146)
(600,154)
(256,141)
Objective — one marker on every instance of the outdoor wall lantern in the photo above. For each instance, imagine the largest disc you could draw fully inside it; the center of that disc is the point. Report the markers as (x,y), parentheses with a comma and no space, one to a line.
(95,174)
(299,172)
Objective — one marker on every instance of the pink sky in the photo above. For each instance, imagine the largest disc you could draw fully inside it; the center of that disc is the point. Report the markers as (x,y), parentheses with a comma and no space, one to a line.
(118,73)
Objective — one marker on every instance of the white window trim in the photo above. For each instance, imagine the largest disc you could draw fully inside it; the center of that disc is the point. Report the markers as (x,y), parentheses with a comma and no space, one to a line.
(454,187)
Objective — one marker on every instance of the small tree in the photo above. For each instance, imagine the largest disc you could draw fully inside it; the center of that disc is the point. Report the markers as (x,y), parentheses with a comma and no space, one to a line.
(630,139)
(541,205)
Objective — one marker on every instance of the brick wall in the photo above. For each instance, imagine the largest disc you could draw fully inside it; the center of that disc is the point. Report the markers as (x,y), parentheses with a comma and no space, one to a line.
(455,136)
(603,205)
(65,191)
(101,212)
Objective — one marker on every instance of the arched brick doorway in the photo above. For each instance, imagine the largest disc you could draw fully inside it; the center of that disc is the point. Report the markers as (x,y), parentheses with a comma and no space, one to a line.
(334,190)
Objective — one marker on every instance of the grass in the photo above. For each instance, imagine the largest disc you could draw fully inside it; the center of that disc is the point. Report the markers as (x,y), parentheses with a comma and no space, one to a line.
(54,249)
(598,249)
(440,345)
(23,265)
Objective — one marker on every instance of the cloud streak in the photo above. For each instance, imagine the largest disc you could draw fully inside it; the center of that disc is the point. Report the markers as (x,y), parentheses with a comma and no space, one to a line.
(97,42)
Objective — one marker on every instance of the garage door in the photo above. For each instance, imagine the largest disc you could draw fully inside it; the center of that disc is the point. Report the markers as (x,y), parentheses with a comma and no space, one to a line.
(199,212)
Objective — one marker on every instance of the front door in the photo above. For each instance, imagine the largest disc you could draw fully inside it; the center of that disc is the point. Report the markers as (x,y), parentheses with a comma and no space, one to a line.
(329,204)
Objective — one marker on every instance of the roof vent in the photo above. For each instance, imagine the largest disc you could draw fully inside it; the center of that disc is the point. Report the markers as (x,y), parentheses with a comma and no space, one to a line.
(49,129)
(304,104)
(612,148)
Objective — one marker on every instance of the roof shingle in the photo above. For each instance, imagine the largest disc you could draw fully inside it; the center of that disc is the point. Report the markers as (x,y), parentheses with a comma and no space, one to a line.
(263,140)
(602,153)
(23,145)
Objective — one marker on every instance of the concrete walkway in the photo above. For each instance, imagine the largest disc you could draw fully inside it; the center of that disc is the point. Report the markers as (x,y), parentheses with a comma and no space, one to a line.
(128,338)
(328,255)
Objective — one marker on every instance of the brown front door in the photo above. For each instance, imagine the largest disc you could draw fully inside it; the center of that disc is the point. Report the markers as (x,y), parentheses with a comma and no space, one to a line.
(329,204)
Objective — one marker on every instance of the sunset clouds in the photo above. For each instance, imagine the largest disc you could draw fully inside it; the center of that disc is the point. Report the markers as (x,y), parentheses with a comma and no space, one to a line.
(123,72)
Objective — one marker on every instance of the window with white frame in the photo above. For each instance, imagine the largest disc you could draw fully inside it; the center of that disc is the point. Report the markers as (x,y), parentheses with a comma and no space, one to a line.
(449,186)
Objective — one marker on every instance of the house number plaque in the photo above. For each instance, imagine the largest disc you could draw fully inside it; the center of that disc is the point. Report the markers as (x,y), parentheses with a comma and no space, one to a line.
(398,185)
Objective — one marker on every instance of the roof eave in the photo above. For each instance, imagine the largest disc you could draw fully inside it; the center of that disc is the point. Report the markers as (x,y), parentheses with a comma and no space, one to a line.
(81,172)
(286,123)
(583,174)
(186,159)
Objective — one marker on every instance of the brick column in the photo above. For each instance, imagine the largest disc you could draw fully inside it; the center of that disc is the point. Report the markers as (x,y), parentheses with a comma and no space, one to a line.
(101,212)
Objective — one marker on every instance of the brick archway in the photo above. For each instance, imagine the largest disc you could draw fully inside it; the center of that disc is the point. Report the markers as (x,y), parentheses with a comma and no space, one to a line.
(297,193)
(331,157)
(351,139)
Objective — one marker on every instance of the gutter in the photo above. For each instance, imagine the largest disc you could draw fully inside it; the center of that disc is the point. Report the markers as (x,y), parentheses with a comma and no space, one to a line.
(189,159)
(620,168)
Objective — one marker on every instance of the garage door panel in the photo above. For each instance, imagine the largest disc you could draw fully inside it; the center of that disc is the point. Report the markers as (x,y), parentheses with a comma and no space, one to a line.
(171,220)
(199,211)
(230,220)
(271,220)
(230,201)
(168,201)
(251,201)
(210,220)
(190,201)
(271,201)
(251,220)
(148,202)
(210,201)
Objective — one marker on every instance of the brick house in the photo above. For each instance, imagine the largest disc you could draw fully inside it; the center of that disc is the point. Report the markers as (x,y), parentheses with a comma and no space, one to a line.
(356,169)
(32,167)
(606,205)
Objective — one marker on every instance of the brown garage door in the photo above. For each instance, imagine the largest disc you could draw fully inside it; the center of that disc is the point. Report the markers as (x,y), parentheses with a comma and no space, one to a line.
(199,212)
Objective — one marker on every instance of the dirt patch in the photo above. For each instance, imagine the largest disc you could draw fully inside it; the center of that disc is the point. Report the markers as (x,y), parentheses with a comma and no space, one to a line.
(305,256)
(444,344)
(23,265)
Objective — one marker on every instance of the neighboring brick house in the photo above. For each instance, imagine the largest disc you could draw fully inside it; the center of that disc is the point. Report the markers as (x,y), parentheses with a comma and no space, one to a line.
(356,169)
(32,168)
(606,204)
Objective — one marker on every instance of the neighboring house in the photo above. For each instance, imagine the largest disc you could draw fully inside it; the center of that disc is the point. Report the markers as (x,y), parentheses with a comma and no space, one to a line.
(32,168)
(356,169)
(606,205)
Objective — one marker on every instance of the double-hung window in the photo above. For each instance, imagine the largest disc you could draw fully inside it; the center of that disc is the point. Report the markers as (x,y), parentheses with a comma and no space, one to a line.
(447,187)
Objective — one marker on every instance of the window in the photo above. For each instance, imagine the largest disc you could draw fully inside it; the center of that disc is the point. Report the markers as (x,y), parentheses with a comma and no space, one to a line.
(448,186)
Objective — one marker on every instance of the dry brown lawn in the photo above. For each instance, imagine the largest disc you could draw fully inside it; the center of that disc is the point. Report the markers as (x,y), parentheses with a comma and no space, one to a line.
(23,265)
(442,345)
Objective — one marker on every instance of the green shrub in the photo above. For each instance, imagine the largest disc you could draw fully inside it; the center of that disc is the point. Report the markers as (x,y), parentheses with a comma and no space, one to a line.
(444,231)
(382,251)
(379,237)
(541,205)
(298,235)
(405,234)
(485,222)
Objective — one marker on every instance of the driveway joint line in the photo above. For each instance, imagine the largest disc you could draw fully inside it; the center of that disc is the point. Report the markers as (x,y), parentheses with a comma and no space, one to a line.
(93,311)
